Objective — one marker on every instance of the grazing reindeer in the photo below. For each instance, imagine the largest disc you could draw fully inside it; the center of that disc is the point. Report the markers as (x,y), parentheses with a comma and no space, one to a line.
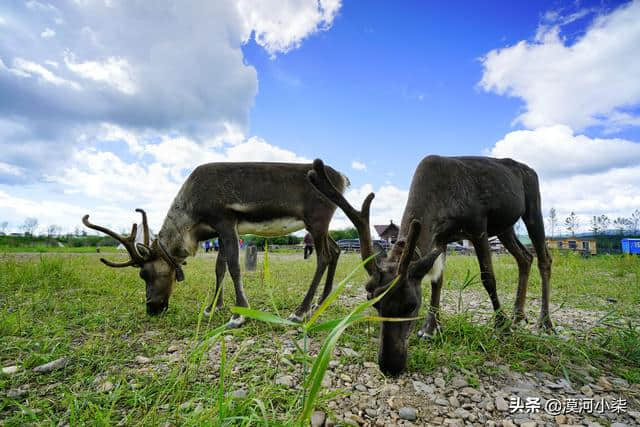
(222,200)
(451,198)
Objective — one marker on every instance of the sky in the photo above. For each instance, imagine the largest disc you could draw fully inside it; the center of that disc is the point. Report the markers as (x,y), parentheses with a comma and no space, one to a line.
(107,105)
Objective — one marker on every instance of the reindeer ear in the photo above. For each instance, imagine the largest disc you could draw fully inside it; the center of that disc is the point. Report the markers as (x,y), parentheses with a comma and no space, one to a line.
(143,250)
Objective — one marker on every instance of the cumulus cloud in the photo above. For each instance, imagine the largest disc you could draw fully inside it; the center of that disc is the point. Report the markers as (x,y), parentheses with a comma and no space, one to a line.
(556,151)
(124,98)
(590,176)
(585,83)
(281,25)
(172,68)
(358,165)
(388,205)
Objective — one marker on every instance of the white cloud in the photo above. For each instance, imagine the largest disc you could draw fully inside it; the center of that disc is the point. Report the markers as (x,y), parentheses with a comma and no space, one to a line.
(115,72)
(126,99)
(47,33)
(358,165)
(590,176)
(555,151)
(388,205)
(24,68)
(581,84)
(281,25)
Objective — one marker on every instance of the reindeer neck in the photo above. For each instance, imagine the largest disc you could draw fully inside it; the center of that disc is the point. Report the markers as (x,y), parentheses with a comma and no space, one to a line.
(177,235)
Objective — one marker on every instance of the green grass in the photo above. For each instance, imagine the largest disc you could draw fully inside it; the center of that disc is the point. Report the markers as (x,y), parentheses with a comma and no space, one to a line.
(55,306)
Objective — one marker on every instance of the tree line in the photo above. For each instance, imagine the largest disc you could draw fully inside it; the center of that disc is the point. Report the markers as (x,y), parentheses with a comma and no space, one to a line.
(598,224)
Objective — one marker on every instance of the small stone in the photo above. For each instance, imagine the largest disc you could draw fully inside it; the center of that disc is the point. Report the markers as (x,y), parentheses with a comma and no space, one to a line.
(361,388)
(318,419)
(529,424)
(508,423)
(51,366)
(586,390)
(421,387)
(285,380)
(186,405)
(10,370)
(561,419)
(240,394)
(346,378)
(501,404)
(462,413)
(459,382)
(142,360)
(370,365)
(348,352)
(618,425)
(173,348)
(604,383)
(409,414)
(16,392)
(371,413)
(105,387)
(442,402)
(453,401)
(439,382)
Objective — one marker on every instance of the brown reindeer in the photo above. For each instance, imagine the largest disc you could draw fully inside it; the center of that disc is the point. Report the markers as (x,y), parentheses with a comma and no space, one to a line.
(451,198)
(223,200)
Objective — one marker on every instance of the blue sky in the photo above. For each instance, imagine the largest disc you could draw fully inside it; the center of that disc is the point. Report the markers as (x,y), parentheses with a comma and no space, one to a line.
(106,106)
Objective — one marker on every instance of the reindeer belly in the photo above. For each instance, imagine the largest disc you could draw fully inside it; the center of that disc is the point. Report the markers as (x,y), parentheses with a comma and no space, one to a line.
(271,228)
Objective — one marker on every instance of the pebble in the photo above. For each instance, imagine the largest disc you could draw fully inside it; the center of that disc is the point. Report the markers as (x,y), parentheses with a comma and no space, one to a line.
(586,390)
(318,419)
(285,380)
(421,387)
(10,370)
(459,382)
(240,394)
(16,392)
(439,382)
(142,360)
(501,404)
(51,366)
(173,348)
(105,387)
(409,414)
(348,352)
(370,365)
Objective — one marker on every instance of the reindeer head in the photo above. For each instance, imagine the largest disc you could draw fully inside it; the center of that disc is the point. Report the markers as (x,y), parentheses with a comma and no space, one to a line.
(405,298)
(158,268)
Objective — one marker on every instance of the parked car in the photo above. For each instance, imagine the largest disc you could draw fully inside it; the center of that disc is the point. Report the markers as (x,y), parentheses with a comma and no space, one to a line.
(349,244)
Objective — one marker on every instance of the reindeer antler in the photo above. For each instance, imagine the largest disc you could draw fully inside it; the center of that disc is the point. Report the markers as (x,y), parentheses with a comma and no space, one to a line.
(145,226)
(128,242)
(319,179)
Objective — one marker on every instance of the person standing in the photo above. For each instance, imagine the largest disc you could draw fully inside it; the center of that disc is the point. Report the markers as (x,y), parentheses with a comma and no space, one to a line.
(308,245)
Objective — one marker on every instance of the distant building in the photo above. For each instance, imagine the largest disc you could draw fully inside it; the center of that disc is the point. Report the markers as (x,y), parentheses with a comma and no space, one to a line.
(578,244)
(631,246)
(389,232)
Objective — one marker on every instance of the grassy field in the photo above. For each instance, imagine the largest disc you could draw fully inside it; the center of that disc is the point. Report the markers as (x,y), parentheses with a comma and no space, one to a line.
(60,305)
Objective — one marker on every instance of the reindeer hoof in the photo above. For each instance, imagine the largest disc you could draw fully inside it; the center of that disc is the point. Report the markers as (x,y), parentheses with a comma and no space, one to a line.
(428,334)
(545,324)
(293,317)
(236,322)
(519,318)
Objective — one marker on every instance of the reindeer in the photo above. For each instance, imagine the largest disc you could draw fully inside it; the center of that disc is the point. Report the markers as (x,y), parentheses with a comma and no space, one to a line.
(451,198)
(224,200)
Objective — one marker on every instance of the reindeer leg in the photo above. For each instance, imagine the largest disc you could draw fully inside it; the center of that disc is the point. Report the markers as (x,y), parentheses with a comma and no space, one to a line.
(432,323)
(524,259)
(483,253)
(320,243)
(221,269)
(334,254)
(535,226)
(229,238)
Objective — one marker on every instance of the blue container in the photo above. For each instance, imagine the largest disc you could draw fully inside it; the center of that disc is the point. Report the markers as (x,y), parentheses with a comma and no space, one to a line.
(631,246)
